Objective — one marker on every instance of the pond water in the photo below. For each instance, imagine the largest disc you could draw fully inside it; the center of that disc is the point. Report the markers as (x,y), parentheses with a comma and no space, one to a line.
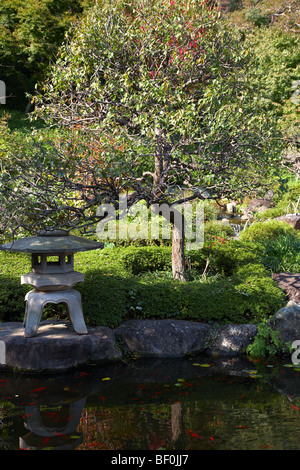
(143,405)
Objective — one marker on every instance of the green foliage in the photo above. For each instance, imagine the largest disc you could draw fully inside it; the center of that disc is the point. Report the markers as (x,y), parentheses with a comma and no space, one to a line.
(12,293)
(233,5)
(257,17)
(30,33)
(267,230)
(267,342)
(282,254)
(293,191)
(277,69)
(210,211)
(217,229)
(286,201)
(105,298)
(226,258)
(138,259)
(260,292)
(112,294)
(18,121)
(212,228)
(172,68)
(277,63)
(272,212)
(150,258)
(12,305)
(248,296)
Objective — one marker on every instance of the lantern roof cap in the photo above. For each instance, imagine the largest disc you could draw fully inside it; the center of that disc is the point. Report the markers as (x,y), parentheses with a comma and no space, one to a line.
(52,241)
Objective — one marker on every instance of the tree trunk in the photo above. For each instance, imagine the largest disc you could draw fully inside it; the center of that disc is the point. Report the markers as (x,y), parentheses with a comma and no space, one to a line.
(178,257)
(176,218)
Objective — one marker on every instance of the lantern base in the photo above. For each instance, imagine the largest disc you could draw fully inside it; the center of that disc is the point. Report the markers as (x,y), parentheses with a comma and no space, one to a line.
(36,301)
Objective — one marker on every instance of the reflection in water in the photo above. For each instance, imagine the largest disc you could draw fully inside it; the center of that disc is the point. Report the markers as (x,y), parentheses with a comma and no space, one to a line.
(57,433)
(154,404)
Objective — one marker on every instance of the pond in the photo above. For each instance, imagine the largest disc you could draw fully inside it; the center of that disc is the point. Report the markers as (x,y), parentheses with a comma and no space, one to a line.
(154,404)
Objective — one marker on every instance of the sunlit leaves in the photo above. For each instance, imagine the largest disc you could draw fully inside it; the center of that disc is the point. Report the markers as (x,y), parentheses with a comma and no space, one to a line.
(176,67)
(201,365)
(131,72)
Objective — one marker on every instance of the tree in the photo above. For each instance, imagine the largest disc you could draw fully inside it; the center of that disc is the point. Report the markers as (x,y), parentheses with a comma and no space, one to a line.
(30,33)
(166,82)
(277,70)
(48,182)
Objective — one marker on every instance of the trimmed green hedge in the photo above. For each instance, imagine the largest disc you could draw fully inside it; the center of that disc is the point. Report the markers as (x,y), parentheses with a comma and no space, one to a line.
(12,293)
(149,258)
(136,282)
(247,296)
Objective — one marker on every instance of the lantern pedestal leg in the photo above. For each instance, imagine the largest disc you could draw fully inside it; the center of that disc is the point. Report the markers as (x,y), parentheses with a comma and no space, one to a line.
(36,301)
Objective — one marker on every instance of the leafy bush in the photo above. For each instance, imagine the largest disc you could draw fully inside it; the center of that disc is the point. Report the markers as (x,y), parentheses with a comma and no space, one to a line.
(261,294)
(210,211)
(268,230)
(105,298)
(233,255)
(282,254)
(248,296)
(257,17)
(267,342)
(293,191)
(286,203)
(12,293)
(211,227)
(224,257)
(271,213)
(217,229)
(150,258)
(12,304)
(277,243)
(237,290)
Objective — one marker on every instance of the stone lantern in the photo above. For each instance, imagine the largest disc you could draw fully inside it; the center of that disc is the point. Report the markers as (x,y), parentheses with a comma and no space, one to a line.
(52,276)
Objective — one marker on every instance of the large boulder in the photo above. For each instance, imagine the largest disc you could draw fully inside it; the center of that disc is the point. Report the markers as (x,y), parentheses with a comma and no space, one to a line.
(290,284)
(287,322)
(55,347)
(162,338)
(291,219)
(230,340)
(258,205)
(178,338)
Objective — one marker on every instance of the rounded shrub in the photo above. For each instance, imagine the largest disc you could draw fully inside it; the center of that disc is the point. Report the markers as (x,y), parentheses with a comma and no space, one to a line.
(249,295)
(225,256)
(105,298)
(228,257)
(267,230)
(147,258)
(12,293)
(217,229)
